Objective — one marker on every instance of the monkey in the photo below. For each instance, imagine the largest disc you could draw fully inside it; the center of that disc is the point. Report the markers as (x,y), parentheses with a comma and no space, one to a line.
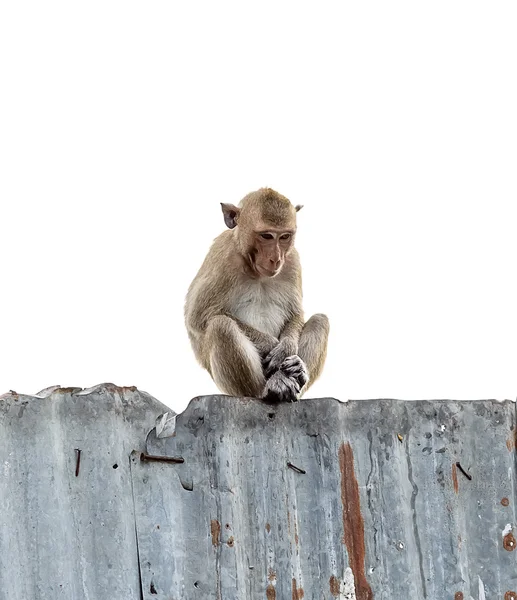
(243,310)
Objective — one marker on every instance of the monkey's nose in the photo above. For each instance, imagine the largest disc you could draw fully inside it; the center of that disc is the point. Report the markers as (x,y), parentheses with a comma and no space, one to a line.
(275,263)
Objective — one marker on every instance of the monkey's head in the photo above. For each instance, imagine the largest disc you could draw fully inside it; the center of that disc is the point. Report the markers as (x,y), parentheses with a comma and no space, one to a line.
(264,224)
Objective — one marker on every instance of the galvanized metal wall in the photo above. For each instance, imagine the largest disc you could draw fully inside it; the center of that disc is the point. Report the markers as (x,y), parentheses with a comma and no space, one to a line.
(63,536)
(317,500)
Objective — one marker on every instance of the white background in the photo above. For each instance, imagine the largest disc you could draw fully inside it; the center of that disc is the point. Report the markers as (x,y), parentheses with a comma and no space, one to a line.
(123,125)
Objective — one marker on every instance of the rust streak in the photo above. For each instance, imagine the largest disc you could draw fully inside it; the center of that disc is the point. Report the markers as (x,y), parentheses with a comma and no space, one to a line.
(458,596)
(215,529)
(455,477)
(353,524)
(334,586)
(510,596)
(298,593)
(270,592)
(268,527)
(272,575)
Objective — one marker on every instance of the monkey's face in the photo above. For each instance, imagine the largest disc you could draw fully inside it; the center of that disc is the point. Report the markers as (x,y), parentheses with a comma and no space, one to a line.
(268,249)
(265,225)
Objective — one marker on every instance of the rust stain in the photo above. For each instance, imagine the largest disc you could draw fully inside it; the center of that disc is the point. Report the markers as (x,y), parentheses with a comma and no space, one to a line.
(270,592)
(296,532)
(268,527)
(289,522)
(458,596)
(510,596)
(230,541)
(215,529)
(298,593)
(353,524)
(510,444)
(455,477)
(271,575)
(509,542)
(334,586)
(505,502)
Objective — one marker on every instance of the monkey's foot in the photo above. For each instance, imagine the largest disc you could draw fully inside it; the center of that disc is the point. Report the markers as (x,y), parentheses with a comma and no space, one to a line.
(294,367)
(281,388)
(285,385)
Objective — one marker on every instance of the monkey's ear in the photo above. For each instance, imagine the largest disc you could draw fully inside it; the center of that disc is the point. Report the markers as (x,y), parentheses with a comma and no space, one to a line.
(230,212)
(298,207)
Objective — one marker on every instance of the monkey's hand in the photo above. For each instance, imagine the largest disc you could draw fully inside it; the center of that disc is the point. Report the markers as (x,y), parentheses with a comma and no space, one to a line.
(278,354)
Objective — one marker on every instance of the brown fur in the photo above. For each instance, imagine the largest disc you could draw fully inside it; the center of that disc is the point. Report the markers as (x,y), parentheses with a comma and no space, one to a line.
(244,307)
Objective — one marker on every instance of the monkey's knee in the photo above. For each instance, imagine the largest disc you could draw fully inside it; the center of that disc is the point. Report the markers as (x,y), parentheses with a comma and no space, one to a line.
(319,323)
(313,345)
(219,326)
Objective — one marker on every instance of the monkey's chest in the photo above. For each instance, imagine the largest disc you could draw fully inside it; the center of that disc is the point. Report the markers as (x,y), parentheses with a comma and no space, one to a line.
(262,308)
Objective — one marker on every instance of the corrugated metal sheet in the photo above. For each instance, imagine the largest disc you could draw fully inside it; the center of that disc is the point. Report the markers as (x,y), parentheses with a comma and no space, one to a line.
(63,536)
(317,500)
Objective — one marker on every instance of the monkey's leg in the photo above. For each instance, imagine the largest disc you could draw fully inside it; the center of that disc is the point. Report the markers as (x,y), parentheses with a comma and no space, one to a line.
(235,363)
(312,347)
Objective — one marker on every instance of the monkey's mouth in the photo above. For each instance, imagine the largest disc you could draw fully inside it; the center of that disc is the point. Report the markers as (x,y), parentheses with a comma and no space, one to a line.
(266,272)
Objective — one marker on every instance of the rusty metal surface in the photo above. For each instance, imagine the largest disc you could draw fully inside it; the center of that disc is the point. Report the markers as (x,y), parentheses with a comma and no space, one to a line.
(319,500)
(67,527)
(235,499)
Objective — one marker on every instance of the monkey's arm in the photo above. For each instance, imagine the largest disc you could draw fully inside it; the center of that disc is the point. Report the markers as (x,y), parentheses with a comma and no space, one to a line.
(287,345)
(291,333)
(264,342)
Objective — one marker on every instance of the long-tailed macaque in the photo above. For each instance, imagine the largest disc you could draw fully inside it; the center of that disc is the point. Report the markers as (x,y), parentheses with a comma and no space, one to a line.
(243,310)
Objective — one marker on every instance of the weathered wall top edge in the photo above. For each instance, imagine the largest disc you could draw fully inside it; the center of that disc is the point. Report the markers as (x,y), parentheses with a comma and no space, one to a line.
(312,407)
(56,391)
(207,400)
(338,402)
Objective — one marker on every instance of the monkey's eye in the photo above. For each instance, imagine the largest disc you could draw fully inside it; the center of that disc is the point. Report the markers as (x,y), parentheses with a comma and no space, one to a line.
(266,236)
(285,237)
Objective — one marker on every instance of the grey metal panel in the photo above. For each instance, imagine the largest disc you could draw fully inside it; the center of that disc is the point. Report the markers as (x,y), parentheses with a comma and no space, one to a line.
(63,536)
(381,510)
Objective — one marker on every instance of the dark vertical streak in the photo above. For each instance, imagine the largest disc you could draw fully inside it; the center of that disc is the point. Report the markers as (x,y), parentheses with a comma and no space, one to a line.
(413,510)
(369,493)
(136,535)
(353,524)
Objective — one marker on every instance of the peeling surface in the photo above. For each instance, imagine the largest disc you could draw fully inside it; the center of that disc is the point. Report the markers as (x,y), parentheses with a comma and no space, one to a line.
(215,531)
(349,589)
(481,588)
